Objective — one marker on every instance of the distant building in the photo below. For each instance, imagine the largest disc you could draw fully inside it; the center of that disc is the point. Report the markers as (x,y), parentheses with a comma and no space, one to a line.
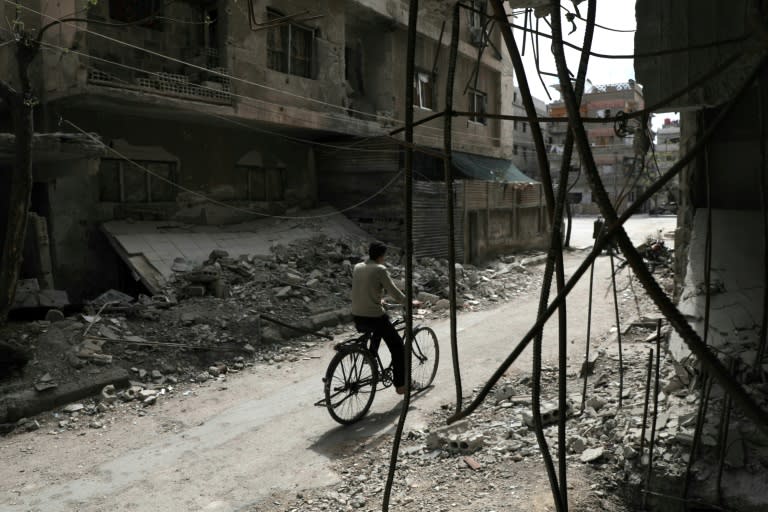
(614,155)
(666,151)
(523,148)
(212,110)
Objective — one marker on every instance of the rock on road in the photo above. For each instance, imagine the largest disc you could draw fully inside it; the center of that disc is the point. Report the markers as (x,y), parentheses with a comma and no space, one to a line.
(232,444)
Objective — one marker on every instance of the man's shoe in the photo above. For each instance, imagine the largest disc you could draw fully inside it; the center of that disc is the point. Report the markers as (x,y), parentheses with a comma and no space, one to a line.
(400,390)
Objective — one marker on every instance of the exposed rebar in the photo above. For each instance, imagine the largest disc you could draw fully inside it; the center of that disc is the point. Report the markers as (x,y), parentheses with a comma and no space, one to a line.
(612,229)
(618,326)
(645,402)
(448,164)
(413,15)
(662,301)
(652,442)
(589,334)
(543,163)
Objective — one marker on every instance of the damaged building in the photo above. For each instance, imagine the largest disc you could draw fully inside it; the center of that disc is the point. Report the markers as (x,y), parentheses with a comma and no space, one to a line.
(216,112)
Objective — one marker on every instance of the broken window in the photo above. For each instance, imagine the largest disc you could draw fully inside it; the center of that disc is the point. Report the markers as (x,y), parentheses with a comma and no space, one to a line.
(121,181)
(290,47)
(477,19)
(423,90)
(130,11)
(477,14)
(477,105)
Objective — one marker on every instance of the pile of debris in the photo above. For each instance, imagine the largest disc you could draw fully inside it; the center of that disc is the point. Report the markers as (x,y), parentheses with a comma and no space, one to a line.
(601,436)
(311,280)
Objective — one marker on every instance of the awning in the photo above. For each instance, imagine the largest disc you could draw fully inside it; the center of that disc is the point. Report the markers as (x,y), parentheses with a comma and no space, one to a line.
(486,168)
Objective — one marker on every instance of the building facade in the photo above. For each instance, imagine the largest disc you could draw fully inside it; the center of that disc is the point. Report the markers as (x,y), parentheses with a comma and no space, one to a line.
(211,109)
(614,153)
(666,151)
(523,148)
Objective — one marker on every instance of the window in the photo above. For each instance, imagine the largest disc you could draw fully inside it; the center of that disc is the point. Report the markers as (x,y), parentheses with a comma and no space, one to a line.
(524,127)
(423,92)
(477,105)
(129,11)
(476,19)
(515,150)
(290,47)
(514,125)
(262,184)
(124,182)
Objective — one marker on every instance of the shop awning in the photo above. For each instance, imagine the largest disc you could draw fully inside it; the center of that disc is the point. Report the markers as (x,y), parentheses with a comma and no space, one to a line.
(486,168)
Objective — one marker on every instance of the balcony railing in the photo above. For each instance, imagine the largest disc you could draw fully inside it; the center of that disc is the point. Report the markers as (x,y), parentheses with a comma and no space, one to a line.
(198,85)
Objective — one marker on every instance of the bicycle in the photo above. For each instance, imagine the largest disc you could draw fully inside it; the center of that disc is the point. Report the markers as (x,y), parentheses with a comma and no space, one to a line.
(356,372)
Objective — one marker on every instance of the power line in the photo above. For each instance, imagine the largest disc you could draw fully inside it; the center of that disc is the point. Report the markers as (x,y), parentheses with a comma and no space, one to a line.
(220,203)
(202,68)
(203,87)
(255,84)
(659,53)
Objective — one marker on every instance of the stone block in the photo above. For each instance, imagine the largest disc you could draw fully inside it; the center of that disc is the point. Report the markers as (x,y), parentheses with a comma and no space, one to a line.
(439,436)
(466,442)
(53,298)
(549,415)
(219,289)
(327,319)
(195,291)
(54,315)
(426,297)
(108,394)
(592,454)
(27,286)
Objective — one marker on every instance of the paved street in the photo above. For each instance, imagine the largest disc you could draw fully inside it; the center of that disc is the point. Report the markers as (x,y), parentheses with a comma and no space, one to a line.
(228,446)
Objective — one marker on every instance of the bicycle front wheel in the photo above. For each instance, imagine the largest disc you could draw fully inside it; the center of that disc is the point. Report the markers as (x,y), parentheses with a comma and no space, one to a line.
(424,359)
(350,384)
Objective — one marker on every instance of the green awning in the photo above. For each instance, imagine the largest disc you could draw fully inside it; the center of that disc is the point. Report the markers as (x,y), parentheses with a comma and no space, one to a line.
(486,168)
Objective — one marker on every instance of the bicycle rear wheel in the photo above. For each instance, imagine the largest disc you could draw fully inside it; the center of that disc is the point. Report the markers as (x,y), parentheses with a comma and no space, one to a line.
(350,384)
(425,356)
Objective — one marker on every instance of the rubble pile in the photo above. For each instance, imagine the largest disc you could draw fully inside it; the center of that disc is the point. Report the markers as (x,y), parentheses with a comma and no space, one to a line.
(308,279)
(485,451)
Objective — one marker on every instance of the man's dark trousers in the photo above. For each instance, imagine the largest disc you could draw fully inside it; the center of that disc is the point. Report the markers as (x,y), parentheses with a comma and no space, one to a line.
(382,328)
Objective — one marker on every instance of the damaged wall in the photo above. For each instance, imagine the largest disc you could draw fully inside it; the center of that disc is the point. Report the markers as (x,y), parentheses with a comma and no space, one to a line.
(727,176)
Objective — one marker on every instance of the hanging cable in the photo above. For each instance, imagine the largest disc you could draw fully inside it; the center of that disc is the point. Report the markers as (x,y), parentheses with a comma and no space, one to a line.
(645,55)
(220,203)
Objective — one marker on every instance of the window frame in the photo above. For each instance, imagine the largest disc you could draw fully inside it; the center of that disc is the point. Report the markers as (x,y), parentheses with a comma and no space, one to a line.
(419,92)
(475,18)
(474,95)
(123,165)
(285,51)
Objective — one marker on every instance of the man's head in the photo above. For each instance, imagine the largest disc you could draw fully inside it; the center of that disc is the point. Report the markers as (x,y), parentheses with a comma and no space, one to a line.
(376,251)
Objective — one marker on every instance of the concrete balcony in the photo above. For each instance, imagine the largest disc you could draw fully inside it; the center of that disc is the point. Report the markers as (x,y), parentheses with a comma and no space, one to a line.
(195,84)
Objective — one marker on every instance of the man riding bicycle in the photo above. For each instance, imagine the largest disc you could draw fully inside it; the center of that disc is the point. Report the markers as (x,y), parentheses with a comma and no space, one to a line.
(370,280)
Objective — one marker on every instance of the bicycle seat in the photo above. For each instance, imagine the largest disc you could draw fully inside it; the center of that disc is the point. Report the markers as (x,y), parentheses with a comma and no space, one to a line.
(365,330)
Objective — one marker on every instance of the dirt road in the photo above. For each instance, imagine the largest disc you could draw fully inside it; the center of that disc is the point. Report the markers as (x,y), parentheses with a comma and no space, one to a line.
(228,446)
